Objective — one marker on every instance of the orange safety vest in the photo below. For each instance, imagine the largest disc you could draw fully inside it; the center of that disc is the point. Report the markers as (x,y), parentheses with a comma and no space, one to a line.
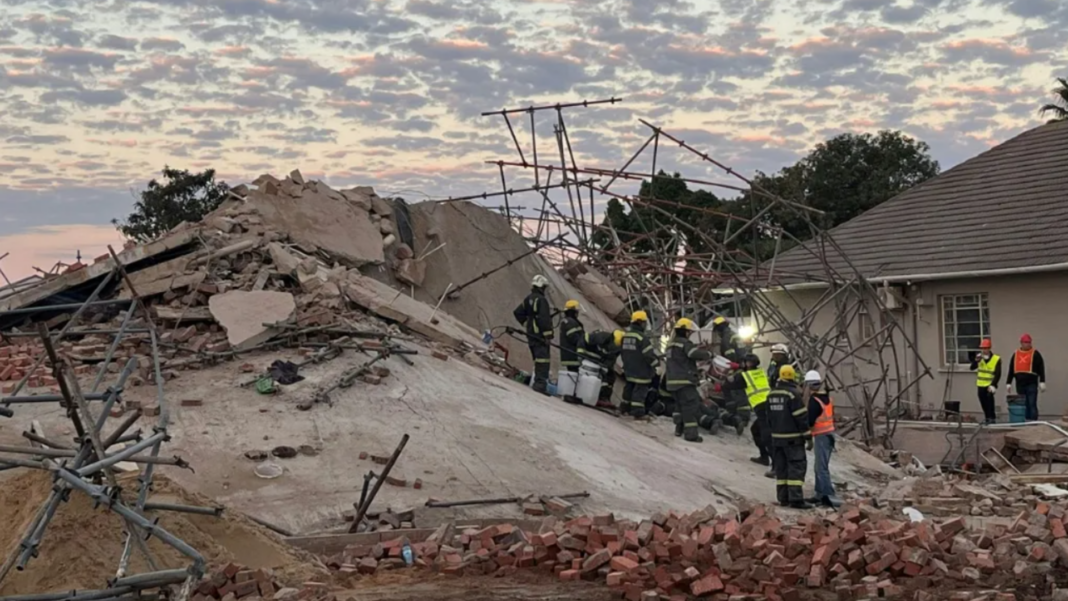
(825,422)
(1022,361)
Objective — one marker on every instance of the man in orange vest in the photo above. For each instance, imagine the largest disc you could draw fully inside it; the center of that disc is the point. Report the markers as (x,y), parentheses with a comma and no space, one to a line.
(1029,371)
(821,422)
(988,368)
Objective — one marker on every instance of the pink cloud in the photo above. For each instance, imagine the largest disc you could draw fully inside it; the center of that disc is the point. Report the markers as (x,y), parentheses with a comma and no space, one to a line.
(44,246)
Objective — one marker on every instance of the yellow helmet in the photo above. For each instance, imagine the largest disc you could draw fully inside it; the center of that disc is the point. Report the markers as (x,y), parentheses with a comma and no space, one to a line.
(719,320)
(617,336)
(571,304)
(787,372)
(639,316)
(685,324)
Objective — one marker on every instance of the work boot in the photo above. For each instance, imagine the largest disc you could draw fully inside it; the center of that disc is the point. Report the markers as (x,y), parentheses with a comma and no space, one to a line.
(765,461)
(678,424)
(739,426)
(694,438)
(714,428)
(770,474)
(832,502)
(802,505)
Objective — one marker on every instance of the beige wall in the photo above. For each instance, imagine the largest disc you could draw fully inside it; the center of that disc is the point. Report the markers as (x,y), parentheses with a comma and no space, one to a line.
(1034,304)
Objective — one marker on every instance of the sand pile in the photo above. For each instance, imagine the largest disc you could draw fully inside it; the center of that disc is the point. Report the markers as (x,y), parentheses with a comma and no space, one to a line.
(82,545)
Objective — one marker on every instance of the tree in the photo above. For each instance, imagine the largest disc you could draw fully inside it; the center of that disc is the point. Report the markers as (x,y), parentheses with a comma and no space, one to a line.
(184,196)
(1059,107)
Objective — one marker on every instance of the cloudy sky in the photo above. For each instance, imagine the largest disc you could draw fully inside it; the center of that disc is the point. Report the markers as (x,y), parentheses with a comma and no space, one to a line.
(98,96)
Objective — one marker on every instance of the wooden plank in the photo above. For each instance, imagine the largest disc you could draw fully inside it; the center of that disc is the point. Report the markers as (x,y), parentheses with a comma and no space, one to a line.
(1039,478)
(91,272)
(998,461)
(183,313)
(161,286)
(150,275)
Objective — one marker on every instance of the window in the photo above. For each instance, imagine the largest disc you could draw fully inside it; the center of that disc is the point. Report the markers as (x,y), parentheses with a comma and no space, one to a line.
(965,322)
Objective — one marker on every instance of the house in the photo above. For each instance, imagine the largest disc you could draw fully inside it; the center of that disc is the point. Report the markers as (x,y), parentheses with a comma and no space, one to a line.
(981,251)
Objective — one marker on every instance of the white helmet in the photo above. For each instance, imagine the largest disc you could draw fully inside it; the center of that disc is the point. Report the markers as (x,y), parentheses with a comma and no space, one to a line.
(780,348)
(813,377)
(539,281)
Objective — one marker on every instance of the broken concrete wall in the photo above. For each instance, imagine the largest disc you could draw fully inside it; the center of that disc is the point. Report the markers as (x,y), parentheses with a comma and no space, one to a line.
(601,291)
(478,240)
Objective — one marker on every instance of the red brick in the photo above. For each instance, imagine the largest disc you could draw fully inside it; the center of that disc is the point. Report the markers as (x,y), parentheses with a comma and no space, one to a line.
(570,575)
(418,484)
(192,403)
(614,579)
(622,564)
(439,355)
(596,560)
(1057,526)
(706,586)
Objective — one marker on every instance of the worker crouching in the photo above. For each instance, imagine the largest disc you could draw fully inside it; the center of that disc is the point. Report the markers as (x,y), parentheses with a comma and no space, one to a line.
(683,378)
(788,421)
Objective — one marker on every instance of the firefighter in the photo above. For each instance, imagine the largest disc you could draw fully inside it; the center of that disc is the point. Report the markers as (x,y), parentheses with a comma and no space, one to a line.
(755,383)
(780,355)
(683,379)
(730,343)
(821,420)
(639,365)
(572,334)
(790,434)
(602,348)
(534,313)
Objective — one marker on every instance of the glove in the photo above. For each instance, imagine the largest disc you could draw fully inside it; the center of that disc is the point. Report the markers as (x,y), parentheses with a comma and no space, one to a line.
(1008,388)
(991,390)
(809,444)
(1042,386)
(734,365)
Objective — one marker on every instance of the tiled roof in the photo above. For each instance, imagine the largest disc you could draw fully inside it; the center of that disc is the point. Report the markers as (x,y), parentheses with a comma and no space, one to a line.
(1006,208)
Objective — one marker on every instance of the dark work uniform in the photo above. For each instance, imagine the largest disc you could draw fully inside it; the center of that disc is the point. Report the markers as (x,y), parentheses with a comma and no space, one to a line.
(572,334)
(788,421)
(534,313)
(639,368)
(773,369)
(989,378)
(682,381)
(1027,381)
(759,428)
(600,347)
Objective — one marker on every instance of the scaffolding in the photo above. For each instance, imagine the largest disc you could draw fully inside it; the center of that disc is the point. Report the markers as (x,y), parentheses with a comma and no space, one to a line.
(662,272)
(89,465)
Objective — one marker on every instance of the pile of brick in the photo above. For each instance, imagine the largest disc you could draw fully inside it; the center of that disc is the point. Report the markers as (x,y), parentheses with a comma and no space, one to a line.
(857,553)
(234,581)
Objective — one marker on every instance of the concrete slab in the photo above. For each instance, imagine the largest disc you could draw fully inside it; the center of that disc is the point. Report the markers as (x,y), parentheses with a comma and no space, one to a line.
(243,314)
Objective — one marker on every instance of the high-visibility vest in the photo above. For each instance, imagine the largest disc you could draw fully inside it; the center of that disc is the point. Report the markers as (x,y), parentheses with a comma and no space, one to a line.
(985,377)
(1023,360)
(825,422)
(756,386)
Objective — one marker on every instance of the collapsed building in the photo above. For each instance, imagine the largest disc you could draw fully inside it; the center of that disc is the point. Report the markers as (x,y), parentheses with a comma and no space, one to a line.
(287,341)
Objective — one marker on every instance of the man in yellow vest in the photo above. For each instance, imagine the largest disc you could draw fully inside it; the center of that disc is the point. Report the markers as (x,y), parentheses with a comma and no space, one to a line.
(821,421)
(755,383)
(988,376)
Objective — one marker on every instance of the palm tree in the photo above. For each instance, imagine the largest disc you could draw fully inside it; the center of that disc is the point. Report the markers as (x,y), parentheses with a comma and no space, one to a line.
(1058,108)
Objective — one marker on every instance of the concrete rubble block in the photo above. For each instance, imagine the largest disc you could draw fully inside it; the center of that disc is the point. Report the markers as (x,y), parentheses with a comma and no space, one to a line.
(296,177)
(320,221)
(411,271)
(242,314)
(357,199)
(386,227)
(599,291)
(285,262)
(381,206)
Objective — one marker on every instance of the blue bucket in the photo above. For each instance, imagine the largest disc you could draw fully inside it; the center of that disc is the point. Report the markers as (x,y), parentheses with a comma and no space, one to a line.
(1017,412)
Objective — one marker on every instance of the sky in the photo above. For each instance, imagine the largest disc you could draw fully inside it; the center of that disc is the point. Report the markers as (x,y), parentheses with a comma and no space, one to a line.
(96,97)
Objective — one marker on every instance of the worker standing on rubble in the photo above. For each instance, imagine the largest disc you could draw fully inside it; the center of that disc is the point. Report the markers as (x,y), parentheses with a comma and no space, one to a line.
(603,348)
(790,434)
(683,378)
(780,355)
(755,384)
(730,343)
(821,421)
(1029,371)
(534,313)
(639,365)
(988,377)
(572,334)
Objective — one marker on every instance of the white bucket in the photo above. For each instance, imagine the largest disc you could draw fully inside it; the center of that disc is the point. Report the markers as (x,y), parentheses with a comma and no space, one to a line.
(589,383)
(566,381)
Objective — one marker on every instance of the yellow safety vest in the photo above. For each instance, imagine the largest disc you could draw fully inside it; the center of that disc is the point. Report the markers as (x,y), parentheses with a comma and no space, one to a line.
(756,386)
(985,377)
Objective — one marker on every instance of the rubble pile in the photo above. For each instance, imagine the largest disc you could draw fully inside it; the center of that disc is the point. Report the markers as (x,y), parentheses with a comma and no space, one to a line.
(234,581)
(858,553)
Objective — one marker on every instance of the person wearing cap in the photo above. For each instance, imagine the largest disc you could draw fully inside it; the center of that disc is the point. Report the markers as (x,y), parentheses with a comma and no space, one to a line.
(639,365)
(821,422)
(683,378)
(1028,370)
(780,355)
(790,434)
(572,333)
(987,366)
(730,343)
(535,315)
(602,348)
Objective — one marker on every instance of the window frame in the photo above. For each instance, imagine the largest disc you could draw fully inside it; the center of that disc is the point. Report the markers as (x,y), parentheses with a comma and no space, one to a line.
(953,302)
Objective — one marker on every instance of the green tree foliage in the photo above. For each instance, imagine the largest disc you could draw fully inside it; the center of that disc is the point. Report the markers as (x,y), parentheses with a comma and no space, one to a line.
(843,177)
(1058,109)
(183,196)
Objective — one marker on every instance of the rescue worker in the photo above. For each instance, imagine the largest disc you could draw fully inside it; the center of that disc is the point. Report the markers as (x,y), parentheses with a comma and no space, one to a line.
(602,348)
(755,383)
(534,313)
(821,421)
(780,355)
(683,379)
(790,434)
(1029,371)
(572,333)
(639,365)
(730,343)
(987,366)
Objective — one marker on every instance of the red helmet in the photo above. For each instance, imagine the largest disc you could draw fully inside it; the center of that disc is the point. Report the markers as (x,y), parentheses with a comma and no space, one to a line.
(985,344)
(1026,338)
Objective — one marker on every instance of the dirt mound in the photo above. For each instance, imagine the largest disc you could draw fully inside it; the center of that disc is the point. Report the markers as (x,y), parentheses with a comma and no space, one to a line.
(82,545)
